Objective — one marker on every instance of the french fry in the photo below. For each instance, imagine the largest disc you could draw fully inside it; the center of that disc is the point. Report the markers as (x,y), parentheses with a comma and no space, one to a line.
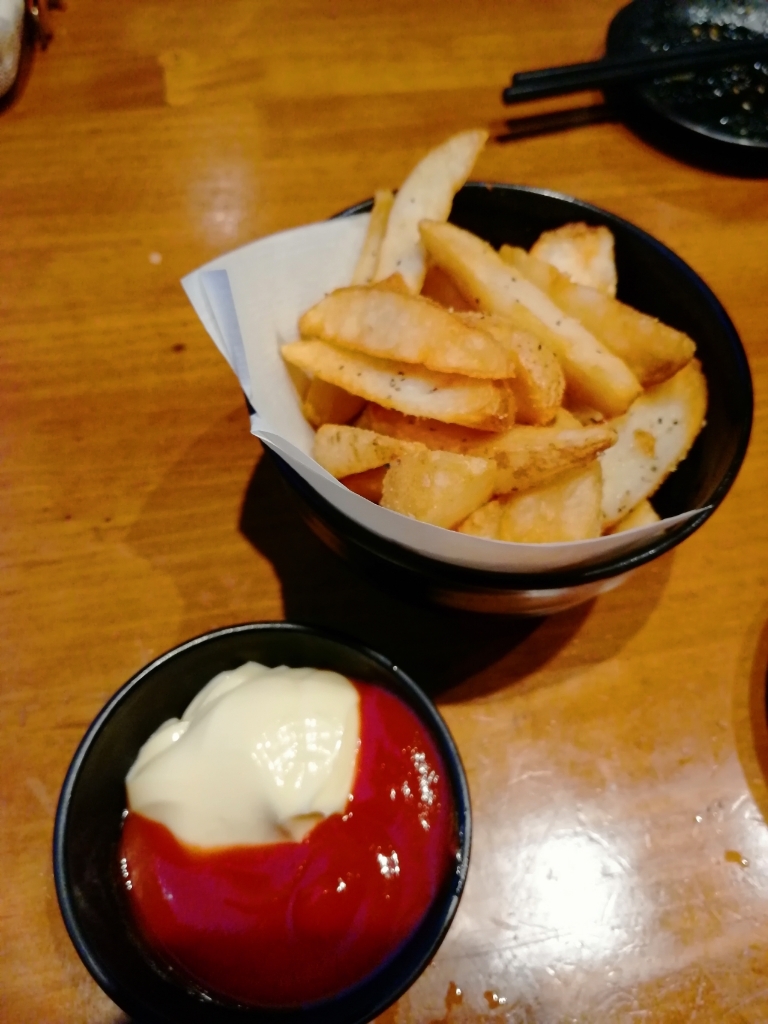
(539,382)
(582,253)
(325,403)
(484,521)
(368,485)
(566,509)
(346,451)
(529,456)
(439,287)
(641,515)
(408,328)
(447,437)
(413,390)
(377,226)
(441,488)
(594,375)
(653,437)
(653,351)
(427,192)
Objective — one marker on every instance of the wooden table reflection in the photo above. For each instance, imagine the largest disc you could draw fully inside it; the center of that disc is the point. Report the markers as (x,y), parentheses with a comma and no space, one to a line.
(620,865)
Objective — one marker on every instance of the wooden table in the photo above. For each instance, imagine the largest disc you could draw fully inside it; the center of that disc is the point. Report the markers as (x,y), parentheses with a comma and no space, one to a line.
(616,753)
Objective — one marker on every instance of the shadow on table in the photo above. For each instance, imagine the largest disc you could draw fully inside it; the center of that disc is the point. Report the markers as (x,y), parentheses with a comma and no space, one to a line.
(442,648)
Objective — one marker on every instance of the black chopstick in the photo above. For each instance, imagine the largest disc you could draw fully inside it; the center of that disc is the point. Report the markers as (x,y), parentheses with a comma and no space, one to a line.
(531,85)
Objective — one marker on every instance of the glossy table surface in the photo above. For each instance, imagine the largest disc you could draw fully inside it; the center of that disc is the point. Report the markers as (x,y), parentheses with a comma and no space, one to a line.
(616,753)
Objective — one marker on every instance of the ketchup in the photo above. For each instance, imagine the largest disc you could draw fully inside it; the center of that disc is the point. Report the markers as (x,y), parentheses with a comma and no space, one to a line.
(292,923)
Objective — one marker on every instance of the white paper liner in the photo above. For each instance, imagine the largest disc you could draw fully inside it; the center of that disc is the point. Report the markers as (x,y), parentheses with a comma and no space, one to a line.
(250,300)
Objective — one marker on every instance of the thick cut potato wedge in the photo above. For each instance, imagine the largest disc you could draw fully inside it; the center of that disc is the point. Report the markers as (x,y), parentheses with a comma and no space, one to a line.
(450,398)
(377,227)
(594,375)
(345,451)
(368,485)
(539,383)
(582,253)
(641,515)
(655,434)
(427,192)
(484,521)
(529,456)
(446,437)
(566,509)
(653,351)
(409,328)
(325,403)
(439,287)
(441,488)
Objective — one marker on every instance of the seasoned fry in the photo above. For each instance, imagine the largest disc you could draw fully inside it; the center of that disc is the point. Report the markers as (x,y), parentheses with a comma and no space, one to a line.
(484,521)
(377,226)
(566,509)
(439,287)
(368,485)
(583,253)
(653,351)
(641,515)
(447,437)
(450,398)
(529,456)
(441,488)
(427,192)
(345,451)
(409,328)
(655,434)
(539,382)
(594,375)
(325,403)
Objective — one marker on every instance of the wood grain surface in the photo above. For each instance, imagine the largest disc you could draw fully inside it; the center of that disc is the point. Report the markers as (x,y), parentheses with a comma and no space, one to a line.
(616,753)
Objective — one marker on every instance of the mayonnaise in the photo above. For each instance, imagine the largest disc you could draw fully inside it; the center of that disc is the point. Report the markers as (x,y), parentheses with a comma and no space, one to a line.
(259,756)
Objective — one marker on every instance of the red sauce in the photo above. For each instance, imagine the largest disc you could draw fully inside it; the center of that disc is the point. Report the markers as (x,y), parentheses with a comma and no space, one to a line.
(293,923)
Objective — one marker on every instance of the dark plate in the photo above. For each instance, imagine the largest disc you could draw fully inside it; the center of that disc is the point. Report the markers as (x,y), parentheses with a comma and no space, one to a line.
(90,810)
(654,280)
(718,116)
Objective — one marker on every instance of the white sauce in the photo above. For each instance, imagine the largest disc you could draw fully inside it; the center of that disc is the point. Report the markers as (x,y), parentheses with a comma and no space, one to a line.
(259,756)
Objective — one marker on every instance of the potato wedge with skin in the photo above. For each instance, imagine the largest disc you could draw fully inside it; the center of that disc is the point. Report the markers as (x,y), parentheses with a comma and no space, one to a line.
(581,252)
(539,382)
(368,484)
(653,437)
(484,521)
(447,437)
(653,351)
(566,509)
(441,488)
(413,390)
(345,451)
(409,328)
(439,287)
(594,376)
(641,515)
(377,227)
(529,456)
(427,192)
(325,403)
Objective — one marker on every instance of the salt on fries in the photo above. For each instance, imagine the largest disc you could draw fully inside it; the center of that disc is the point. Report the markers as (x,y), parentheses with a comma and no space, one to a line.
(507,395)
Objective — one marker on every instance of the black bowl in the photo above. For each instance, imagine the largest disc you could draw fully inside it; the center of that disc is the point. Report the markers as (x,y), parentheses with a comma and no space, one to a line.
(716,118)
(652,279)
(88,822)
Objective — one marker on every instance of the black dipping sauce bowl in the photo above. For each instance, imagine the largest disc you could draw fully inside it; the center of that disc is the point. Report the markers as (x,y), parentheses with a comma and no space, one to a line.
(88,822)
(653,280)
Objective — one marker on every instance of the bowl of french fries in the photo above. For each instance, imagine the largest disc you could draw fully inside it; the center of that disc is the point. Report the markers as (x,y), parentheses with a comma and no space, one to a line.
(509,399)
